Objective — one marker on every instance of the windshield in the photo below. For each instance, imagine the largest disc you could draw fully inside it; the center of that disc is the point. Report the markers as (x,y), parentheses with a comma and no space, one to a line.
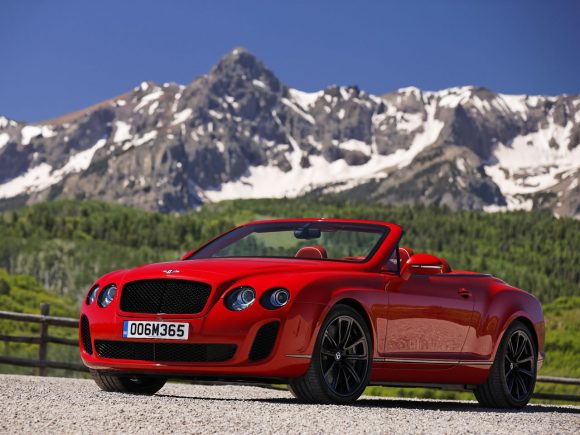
(308,240)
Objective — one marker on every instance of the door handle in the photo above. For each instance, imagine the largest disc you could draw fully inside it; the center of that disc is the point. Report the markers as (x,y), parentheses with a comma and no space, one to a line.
(463,292)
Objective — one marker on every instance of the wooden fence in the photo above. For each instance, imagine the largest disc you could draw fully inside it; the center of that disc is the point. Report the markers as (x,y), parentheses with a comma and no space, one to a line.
(45,320)
(44,339)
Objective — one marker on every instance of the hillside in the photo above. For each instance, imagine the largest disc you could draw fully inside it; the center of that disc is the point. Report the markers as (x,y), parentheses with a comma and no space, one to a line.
(239,132)
(67,244)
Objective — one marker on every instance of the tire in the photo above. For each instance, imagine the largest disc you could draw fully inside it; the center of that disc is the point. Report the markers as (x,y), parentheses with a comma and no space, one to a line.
(512,376)
(130,384)
(341,362)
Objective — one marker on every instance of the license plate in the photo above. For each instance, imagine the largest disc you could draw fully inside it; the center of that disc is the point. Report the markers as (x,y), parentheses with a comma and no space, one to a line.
(165,330)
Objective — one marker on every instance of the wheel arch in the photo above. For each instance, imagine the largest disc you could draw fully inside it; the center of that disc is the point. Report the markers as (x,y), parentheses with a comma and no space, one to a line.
(530,326)
(519,317)
(359,308)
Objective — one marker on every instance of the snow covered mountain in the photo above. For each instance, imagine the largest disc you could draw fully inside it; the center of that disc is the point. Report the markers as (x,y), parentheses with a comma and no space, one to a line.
(238,132)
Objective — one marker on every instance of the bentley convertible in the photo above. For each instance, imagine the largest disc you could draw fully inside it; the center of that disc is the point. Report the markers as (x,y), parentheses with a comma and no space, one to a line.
(327,306)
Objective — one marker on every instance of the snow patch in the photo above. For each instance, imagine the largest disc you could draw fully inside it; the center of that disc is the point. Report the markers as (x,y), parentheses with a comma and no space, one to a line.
(182,116)
(409,121)
(42,176)
(514,104)
(299,110)
(31,131)
(147,137)
(122,132)
(153,108)
(4,138)
(523,168)
(304,99)
(5,122)
(149,98)
(259,84)
(356,145)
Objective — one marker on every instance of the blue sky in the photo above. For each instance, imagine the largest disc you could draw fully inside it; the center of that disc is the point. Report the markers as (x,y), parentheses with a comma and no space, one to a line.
(61,56)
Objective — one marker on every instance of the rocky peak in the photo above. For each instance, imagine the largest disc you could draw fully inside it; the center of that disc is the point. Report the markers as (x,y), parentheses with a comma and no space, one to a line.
(239,132)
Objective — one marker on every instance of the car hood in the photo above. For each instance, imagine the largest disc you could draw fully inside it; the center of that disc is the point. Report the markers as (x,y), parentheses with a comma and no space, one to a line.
(215,271)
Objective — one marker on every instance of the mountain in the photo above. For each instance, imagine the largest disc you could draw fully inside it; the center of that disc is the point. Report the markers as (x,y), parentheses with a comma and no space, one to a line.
(238,132)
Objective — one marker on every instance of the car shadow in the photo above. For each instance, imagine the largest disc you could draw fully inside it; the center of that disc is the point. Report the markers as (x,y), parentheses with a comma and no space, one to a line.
(412,404)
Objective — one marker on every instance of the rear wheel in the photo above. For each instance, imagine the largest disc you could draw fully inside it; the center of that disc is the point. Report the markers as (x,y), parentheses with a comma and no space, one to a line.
(341,361)
(512,377)
(131,384)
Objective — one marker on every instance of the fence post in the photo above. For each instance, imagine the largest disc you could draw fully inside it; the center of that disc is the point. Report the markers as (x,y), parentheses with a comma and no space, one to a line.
(42,348)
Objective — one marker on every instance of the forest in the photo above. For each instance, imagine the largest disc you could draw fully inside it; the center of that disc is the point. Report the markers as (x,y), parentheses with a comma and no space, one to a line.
(65,245)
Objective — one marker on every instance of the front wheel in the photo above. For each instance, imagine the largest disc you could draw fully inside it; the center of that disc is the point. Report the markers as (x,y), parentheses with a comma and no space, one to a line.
(512,377)
(341,361)
(131,384)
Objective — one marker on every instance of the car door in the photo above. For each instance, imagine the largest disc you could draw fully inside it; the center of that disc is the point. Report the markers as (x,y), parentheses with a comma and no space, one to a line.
(428,317)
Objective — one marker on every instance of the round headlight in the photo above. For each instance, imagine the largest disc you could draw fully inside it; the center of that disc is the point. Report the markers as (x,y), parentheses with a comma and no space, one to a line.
(241,298)
(92,295)
(107,295)
(279,297)
(275,298)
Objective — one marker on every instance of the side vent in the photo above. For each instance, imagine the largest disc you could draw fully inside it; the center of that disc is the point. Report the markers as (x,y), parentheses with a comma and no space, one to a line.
(264,341)
(86,335)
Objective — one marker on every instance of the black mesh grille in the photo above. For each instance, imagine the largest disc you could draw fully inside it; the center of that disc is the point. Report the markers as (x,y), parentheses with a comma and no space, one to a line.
(264,341)
(86,335)
(168,352)
(164,296)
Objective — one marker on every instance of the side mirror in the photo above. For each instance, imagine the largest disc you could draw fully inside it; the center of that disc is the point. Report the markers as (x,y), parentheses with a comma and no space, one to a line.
(422,264)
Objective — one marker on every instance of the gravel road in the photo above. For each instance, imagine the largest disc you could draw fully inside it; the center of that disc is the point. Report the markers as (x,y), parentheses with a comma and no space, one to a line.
(57,405)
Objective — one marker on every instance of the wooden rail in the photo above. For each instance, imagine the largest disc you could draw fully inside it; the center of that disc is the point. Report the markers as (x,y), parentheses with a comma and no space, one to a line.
(45,320)
(44,339)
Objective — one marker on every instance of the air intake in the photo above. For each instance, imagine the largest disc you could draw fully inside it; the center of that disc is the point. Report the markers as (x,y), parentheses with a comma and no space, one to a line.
(86,335)
(264,341)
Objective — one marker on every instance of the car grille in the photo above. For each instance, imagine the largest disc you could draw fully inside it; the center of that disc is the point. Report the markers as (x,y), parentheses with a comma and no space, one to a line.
(164,296)
(165,352)
(86,335)
(264,341)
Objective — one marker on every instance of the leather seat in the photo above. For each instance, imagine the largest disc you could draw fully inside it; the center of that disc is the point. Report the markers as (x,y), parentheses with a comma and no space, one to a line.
(312,252)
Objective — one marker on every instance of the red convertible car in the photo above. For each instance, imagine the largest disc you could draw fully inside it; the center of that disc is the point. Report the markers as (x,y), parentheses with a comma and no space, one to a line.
(327,306)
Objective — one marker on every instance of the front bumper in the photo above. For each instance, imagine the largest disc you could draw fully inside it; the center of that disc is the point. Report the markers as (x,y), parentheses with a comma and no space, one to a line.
(288,357)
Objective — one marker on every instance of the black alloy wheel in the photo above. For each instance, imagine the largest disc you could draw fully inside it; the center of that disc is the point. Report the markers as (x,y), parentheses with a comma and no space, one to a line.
(520,374)
(341,362)
(344,355)
(512,376)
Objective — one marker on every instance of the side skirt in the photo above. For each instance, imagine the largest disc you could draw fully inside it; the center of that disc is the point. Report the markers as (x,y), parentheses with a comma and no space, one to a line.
(450,387)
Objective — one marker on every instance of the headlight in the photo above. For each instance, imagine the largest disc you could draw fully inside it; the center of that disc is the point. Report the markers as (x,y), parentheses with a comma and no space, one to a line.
(92,295)
(241,298)
(275,298)
(107,295)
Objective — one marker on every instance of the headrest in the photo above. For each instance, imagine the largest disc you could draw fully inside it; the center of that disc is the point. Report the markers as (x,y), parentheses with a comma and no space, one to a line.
(312,252)
(404,254)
